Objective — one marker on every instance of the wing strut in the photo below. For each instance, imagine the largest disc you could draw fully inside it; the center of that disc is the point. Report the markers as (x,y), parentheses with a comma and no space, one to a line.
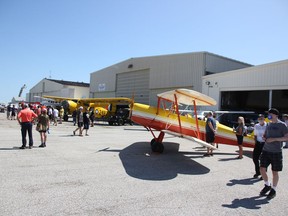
(196,118)
(177,112)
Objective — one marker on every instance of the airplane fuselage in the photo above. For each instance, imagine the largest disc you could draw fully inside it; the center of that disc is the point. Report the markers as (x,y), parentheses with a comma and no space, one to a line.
(163,120)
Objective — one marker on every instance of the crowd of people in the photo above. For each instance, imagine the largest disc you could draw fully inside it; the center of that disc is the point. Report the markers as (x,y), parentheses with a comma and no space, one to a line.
(42,116)
(270,138)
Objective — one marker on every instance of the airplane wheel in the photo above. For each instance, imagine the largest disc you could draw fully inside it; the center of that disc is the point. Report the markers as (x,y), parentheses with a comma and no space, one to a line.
(157,147)
(152,141)
(120,122)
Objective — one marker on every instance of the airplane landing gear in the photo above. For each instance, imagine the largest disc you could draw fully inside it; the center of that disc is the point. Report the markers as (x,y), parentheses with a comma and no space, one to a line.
(157,145)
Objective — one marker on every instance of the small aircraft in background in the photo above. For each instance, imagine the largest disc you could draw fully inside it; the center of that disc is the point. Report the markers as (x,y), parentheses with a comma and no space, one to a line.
(167,119)
(105,109)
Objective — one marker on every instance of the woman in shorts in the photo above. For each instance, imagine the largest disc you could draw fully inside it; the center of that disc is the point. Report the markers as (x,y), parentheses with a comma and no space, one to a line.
(43,126)
(240,130)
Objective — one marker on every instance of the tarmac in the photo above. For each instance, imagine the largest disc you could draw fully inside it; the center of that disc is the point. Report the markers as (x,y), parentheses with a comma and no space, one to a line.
(113,172)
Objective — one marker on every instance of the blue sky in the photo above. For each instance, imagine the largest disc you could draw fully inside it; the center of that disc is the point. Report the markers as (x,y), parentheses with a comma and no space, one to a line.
(69,39)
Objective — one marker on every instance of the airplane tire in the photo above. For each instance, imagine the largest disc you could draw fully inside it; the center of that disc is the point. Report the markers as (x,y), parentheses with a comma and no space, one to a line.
(120,122)
(152,141)
(157,147)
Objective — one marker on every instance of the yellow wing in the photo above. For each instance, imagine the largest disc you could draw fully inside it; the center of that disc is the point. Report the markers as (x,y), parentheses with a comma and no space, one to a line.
(60,99)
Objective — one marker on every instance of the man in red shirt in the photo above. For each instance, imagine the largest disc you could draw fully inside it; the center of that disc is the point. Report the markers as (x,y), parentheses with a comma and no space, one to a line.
(25,118)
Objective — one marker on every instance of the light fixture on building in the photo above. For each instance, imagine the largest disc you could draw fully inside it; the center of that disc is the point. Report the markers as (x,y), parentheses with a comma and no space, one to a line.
(130,66)
(207,82)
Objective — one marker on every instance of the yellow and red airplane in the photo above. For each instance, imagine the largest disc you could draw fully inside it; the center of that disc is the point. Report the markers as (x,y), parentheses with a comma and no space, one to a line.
(104,108)
(170,121)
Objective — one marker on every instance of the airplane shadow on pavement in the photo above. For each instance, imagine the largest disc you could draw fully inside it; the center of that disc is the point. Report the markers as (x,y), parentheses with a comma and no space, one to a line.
(140,162)
(248,203)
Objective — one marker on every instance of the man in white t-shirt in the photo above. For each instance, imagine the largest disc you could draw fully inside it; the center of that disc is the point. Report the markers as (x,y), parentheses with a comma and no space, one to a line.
(259,130)
(55,115)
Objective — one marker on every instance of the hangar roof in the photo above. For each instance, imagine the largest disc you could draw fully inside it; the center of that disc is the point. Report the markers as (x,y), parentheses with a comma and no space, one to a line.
(71,83)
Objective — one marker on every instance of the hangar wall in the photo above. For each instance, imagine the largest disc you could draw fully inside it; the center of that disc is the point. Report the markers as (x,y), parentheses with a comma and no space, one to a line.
(164,72)
(55,88)
(267,77)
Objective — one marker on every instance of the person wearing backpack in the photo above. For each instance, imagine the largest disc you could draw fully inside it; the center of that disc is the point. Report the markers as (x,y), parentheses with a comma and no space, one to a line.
(240,131)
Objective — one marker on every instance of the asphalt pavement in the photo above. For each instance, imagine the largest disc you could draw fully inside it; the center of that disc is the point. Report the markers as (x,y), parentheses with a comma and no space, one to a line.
(113,172)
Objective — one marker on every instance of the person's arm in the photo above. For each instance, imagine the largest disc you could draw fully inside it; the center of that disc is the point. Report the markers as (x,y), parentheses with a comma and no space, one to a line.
(18,117)
(240,131)
(278,139)
(48,124)
(255,134)
(211,126)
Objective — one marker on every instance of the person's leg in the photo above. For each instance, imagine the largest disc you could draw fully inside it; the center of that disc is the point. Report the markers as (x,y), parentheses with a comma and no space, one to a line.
(81,131)
(42,138)
(23,133)
(263,171)
(240,151)
(275,179)
(256,155)
(30,134)
(45,138)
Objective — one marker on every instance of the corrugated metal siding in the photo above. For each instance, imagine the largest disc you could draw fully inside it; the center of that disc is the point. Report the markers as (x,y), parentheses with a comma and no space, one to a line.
(177,70)
(271,76)
(133,83)
(216,64)
(262,77)
(103,94)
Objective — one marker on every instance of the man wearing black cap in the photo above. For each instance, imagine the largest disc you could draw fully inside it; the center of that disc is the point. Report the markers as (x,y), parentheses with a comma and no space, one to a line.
(259,131)
(276,133)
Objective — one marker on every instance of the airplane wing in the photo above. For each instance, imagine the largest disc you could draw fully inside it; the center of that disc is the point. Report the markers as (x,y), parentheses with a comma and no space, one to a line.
(187,96)
(59,99)
(120,100)
(198,141)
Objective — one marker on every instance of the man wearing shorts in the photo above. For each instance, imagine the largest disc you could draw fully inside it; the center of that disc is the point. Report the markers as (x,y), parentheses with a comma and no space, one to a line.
(276,133)
(210,133)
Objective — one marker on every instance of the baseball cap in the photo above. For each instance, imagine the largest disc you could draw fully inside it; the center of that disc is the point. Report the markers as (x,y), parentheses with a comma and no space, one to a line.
(273,111)
(260,116)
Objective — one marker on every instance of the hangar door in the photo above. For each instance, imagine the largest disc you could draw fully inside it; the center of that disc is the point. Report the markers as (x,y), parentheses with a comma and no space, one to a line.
(133,83)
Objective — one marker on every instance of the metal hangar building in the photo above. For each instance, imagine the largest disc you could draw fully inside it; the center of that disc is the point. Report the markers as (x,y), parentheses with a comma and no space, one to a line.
(60,88)
(255,88)
(145,77)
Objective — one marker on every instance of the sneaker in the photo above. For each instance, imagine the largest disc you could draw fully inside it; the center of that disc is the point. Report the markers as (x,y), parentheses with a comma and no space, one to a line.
(30,147)
(206,155)
(271,194)
(265,190)
(256,175)
(74,133)
(22,147)
(42,146)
